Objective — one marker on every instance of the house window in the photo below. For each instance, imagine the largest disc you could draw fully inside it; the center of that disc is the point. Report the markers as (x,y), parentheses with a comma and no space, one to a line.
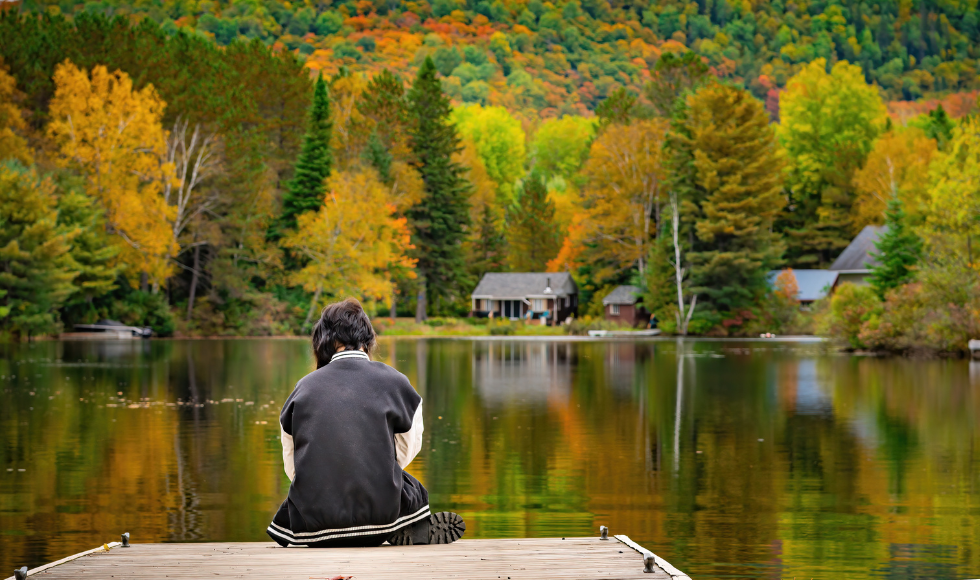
(614,309)
(538,305)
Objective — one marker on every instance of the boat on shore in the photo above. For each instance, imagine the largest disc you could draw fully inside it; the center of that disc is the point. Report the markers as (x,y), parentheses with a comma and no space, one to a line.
(624,333)
(107,329)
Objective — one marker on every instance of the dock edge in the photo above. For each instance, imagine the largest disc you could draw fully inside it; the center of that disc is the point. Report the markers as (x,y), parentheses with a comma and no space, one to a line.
(50,565)
(664,565)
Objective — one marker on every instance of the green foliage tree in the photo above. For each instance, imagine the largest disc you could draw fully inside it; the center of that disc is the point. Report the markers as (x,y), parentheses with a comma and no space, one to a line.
(36,269)
(440,220)
(532,234)
(92,254)
(829,122)
(499,140)
(618,108)
(307,188)
(487,251)
(899,250)
(673,77)
(560,146)
(733,194)
(939,126)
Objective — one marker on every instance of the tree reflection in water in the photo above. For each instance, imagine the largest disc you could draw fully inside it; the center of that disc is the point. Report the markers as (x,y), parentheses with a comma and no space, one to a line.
(755,459)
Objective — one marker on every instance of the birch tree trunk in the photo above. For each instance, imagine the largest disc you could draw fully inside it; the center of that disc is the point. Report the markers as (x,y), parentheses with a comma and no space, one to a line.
(682,319)
(195,276)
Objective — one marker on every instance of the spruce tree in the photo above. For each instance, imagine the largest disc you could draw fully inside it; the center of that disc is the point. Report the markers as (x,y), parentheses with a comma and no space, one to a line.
(734,190)
(533,235)
(899,249)
(487,249)
(35,266)
(439,221)
(307,188)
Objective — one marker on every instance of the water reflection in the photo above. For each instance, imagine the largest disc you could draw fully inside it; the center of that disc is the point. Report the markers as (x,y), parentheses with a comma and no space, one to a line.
(753,460)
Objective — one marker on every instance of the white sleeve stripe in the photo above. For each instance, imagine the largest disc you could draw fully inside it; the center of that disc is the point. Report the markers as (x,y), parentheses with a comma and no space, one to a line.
(408,444)
(287,453)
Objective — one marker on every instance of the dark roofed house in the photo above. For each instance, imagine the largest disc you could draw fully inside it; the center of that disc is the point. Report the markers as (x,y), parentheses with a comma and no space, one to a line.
(623,305)
(811,284)
(548,296)
(855,262)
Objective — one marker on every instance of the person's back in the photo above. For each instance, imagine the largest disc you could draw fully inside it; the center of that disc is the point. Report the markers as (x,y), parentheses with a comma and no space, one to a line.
(348,431)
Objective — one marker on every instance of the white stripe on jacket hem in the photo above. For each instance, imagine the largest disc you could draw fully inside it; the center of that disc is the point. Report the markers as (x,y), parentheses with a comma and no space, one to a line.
(372,530)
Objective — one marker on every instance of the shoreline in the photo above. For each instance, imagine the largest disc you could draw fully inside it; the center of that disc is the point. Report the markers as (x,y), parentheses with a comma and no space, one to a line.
(795,339)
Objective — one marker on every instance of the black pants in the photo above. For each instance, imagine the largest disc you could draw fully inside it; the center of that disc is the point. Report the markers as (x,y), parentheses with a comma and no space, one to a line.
(414,499)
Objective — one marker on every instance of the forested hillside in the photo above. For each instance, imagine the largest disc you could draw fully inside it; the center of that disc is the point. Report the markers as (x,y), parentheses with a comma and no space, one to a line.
(228,169)
(565,57)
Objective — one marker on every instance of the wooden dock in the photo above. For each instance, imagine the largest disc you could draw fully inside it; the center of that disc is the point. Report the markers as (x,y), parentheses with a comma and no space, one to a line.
(514,559)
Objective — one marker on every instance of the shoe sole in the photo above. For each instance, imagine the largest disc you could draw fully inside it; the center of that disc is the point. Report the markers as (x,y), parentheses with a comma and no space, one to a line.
(444,528)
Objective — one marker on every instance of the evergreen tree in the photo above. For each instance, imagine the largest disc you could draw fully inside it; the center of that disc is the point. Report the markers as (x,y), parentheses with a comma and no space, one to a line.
(35,265)
(92,255)
(899,249)
(533,235)
(673,76)
(378,157)
(383,101)
(939,126)
(735,194)
(618,108)
(487,249)
(307,188)
(440,219)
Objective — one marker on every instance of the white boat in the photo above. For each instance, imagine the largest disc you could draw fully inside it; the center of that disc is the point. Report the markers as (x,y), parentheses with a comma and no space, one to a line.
(624,333)
(109,329)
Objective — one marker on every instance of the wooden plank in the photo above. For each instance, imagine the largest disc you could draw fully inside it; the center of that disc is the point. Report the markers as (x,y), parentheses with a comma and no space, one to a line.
(110,545)
(664,565)
(514,559)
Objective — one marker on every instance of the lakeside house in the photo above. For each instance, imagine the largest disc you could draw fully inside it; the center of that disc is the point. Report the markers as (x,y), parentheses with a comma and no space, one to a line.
(548,296)
(855,262)
(852,266)
(624,305)
(812,285)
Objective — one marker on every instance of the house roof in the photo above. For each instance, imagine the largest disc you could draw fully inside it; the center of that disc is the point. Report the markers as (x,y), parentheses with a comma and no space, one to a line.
(857,256)
(622,295)
(812,284)
(515,285)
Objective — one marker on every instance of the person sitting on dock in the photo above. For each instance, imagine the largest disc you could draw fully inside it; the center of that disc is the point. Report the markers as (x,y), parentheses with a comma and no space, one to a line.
(349,429)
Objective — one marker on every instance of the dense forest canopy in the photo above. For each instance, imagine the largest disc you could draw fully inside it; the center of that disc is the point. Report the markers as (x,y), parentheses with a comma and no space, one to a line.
(211,168)
(567,56)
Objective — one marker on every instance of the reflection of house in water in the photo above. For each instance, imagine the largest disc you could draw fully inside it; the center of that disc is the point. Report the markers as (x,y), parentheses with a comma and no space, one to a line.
(620,367)
(811,399)
(529,373)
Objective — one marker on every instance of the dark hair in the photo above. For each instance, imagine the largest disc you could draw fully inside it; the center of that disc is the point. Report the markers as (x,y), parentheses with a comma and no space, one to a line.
(342,324)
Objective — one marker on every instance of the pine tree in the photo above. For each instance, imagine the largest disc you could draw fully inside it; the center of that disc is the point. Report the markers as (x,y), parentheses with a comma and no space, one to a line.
(487,249)
(440,219)
(736,191)
(92,254)
(377,155)
(307,188)
(619,108)
(899,249)
(533,234)
(939,126)
(35,266)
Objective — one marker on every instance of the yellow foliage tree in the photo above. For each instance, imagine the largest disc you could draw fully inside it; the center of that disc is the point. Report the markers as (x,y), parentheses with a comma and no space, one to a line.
(350,127)
(624,195)
(954,198)
(12,145)
(353,242)
(112,134)
(897,167)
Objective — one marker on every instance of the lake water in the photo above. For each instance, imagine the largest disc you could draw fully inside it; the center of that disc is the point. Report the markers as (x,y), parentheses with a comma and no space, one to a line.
(729,459)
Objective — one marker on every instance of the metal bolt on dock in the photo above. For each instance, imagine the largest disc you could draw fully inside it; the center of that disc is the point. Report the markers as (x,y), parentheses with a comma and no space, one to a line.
(603,533)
